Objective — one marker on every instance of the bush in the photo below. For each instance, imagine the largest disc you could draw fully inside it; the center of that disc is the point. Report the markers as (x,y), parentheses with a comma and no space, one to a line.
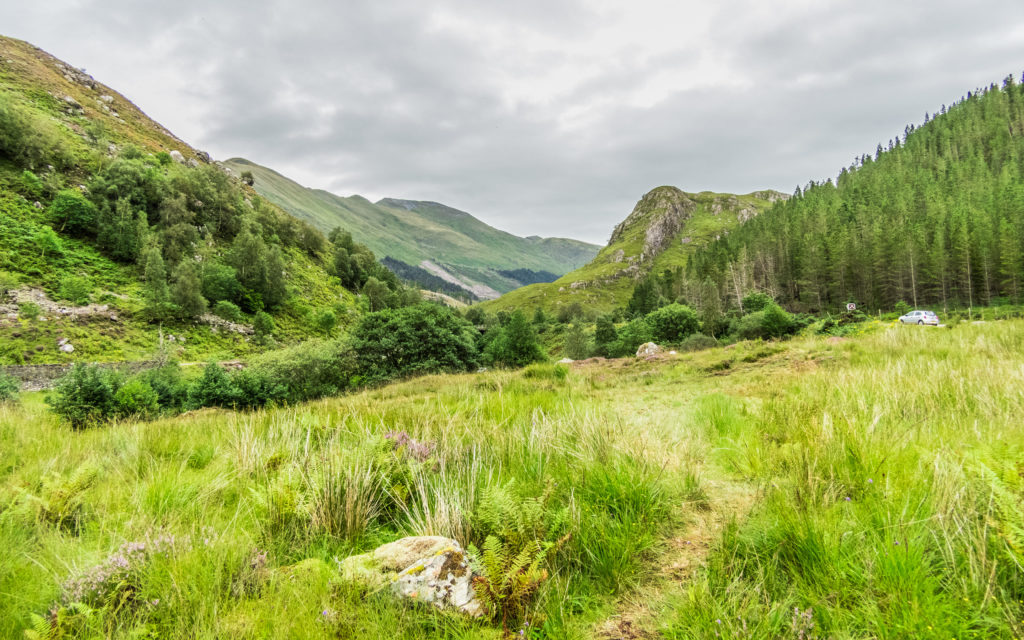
(29,310)
(326,321)
(756,301)
(256,388)
(75,289)
(576,345)
(167,382)
(631,336)
(227,310)
(425,338)
(312,369)
(9,387)
(32,185)
(902,308)
(673,323)
(213,389)
(515,344)
(75,213)
(698,342)
(136,398)
(777,322)
(85,396)
(263,325)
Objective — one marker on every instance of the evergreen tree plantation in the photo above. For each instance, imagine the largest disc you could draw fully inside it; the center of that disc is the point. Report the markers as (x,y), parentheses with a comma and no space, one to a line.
(232,406)
(933,218)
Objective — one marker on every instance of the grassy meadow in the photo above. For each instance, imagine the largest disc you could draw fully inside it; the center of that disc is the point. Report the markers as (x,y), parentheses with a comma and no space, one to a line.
(865,487)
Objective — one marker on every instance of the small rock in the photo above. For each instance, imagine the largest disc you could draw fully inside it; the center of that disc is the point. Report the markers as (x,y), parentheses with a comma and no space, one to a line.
(62,342)
(106,98)
(444,580)
(177,157)
(566,361)
(380,566)
(67,348)
(647,350)
(37,204)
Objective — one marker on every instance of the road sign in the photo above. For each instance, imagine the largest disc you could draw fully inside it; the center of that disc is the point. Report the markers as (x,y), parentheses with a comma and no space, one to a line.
(851,307)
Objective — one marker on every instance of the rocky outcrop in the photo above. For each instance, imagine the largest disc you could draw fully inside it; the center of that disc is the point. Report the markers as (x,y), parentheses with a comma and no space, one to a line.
(425,569)
(663,211)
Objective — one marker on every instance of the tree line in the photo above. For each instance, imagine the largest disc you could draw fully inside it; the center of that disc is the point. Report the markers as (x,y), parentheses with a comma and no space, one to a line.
(936,217)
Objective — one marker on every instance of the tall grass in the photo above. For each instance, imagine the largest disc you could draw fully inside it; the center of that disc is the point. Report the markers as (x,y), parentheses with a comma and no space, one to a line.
(887,470)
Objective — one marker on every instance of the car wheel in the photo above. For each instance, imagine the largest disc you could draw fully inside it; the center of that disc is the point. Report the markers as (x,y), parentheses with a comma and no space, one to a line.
(920,322)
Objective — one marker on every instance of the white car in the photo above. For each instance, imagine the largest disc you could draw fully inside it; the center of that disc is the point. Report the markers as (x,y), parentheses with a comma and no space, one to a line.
(920,317)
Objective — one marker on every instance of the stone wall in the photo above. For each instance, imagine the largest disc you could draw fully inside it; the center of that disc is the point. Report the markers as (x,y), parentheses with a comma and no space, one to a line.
(35,377)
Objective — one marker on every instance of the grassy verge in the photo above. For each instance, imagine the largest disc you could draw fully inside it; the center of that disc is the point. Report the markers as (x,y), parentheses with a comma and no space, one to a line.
(880,484)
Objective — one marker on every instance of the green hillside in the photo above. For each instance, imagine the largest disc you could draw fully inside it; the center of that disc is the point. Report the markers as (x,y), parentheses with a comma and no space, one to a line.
(665,228)
(446,241)
(115,234)
(936,218)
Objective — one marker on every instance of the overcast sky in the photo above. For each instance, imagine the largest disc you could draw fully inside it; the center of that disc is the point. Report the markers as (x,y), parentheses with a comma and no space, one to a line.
(538,116)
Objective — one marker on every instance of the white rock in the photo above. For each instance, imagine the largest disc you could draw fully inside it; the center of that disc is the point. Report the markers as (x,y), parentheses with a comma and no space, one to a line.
(647,350)
(67,348)
(177,157)
(444,580)
(566,361)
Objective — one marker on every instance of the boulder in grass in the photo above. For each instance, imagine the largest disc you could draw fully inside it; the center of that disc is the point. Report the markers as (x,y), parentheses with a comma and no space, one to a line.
(380,566)
(426,569)
(444,580)
(648,350)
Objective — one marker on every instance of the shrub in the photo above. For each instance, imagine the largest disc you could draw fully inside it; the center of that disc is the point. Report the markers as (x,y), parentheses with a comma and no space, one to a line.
(312,369)
(31,184)
(631,336)
(515,344)
(756,301)
(219,282)
(750,326)
(421,339)
(673,323)
(576,345)
(75,289)
(75,213)
(902,308)
(605,335)
(256,388)
(9,387)
(212,389)
(166,380)
(227,310)
(85,396)
(698,342)
(263,325)
(777,322)
(326,321)
(135,398)
(29,310)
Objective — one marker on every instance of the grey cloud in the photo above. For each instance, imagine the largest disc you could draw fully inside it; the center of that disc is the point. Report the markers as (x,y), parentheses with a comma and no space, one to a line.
(373,98)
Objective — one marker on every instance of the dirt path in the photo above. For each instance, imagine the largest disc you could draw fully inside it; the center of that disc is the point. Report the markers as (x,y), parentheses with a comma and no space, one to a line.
(684,555)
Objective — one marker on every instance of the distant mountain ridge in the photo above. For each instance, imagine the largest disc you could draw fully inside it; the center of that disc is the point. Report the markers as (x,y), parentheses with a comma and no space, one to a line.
(443,241)
(664,229)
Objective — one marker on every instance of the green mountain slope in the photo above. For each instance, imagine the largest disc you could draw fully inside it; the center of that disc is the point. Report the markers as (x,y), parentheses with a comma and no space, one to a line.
(113,232)
(936,218)
(447,242)
(664,229)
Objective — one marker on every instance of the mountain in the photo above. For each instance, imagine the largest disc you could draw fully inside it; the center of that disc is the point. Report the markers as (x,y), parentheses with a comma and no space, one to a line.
(664,229)
(445,242)
(114,234)
(935,218)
